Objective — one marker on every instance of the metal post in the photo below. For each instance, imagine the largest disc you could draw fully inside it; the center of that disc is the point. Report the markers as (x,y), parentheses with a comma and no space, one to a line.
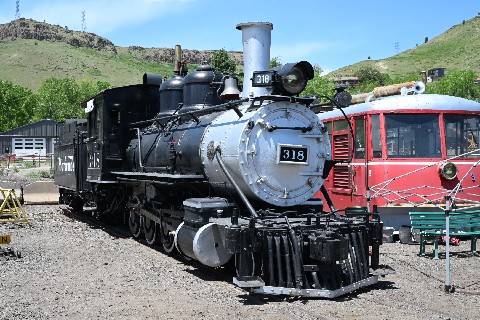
(447,241)
(368,199)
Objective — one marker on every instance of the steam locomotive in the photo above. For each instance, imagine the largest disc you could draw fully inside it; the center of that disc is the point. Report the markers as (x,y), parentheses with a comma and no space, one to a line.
(223,179)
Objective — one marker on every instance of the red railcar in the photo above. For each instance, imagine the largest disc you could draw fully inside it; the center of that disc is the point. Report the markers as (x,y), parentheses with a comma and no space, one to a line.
(405,153)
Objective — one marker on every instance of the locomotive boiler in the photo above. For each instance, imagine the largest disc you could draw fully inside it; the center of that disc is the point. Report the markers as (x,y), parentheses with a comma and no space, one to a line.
(225,177)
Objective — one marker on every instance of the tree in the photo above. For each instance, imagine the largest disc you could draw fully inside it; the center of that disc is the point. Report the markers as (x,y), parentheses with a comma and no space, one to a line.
(275,62)
(17,105)
(319,85)
(60,99)
(459,83)
(368,73)
(223,62)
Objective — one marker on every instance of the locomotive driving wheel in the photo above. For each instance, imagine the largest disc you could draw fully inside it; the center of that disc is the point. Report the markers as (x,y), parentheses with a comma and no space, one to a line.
(150,230)
(167,239)
(134,223)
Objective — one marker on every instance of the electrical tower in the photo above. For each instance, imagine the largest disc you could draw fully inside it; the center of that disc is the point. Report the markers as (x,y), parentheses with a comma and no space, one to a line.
(84,24)
(397,47)
(17,13)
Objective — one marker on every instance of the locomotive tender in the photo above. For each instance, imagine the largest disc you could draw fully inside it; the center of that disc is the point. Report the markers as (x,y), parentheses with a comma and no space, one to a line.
(192,166)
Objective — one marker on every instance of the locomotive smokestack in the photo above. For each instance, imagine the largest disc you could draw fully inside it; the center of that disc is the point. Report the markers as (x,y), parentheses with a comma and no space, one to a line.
(256,37)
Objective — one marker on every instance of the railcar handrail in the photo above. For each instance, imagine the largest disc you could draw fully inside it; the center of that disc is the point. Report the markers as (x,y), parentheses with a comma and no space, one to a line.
(381,190)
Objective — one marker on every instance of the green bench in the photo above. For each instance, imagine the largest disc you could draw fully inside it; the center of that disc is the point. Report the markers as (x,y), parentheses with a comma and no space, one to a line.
(431,225)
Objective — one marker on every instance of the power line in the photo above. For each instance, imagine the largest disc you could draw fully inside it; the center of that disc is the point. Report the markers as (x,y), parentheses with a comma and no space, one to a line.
(84,24)
(17,12)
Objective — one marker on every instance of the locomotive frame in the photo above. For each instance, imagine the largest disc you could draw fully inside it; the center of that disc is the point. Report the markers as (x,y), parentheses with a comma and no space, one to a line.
(206,177)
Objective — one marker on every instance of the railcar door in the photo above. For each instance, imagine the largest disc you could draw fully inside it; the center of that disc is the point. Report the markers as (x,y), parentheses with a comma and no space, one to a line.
(359,164)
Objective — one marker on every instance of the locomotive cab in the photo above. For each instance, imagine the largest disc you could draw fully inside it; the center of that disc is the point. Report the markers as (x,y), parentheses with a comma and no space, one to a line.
(109,114)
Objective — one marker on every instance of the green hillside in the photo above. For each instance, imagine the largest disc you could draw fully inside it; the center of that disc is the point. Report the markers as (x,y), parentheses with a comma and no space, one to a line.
(29,62)
(456,48)
(32,51)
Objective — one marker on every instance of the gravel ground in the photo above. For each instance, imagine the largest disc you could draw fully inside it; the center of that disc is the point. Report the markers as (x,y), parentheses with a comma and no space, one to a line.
(71,269)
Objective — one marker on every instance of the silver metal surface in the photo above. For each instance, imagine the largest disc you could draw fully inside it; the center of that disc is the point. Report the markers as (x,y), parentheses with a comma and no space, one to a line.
(249,282)
(256,38)
(175,238)
(405,103)
(316,292)
(249,151)
(209,245)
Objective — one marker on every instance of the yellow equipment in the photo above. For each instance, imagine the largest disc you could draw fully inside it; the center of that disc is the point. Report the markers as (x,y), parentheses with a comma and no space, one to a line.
(11,210)
(5,239)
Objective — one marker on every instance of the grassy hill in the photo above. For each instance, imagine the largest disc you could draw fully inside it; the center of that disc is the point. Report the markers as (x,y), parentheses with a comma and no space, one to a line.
(29,62)
(456,48)
(32,51)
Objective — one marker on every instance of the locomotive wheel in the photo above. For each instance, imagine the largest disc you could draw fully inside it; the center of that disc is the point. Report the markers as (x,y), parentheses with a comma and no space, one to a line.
(76,204)
(134,223)
(167,239)
(150,231)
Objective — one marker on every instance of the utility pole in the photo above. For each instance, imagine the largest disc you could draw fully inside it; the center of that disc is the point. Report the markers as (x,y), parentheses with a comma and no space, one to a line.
(84,24)
(17,13)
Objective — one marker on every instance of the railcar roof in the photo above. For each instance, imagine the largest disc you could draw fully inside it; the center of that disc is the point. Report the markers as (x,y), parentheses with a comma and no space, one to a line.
(405,103)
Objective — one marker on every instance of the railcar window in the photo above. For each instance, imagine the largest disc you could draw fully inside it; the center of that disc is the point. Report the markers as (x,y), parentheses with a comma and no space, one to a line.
(412,136)
(376,142)
(93,122)
(328,125)
(360,138)
(340,125)
(462,134)
(99,123)
(113,121)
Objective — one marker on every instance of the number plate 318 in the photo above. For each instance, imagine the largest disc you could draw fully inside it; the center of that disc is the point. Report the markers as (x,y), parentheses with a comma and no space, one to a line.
(292,154)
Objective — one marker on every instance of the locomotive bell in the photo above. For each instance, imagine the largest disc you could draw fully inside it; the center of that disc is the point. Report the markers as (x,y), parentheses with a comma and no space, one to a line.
(231,91)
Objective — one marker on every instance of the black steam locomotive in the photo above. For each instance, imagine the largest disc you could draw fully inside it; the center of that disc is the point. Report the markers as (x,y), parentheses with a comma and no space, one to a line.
(192,166)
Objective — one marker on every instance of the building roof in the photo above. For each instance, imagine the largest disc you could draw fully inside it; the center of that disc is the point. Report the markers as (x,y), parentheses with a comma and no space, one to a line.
(44,128)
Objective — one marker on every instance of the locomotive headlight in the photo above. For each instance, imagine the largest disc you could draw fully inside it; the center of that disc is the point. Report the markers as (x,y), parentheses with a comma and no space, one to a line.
(448,171)
(289,79)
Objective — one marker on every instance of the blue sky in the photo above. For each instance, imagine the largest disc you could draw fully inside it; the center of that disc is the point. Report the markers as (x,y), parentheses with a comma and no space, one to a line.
(331,34)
